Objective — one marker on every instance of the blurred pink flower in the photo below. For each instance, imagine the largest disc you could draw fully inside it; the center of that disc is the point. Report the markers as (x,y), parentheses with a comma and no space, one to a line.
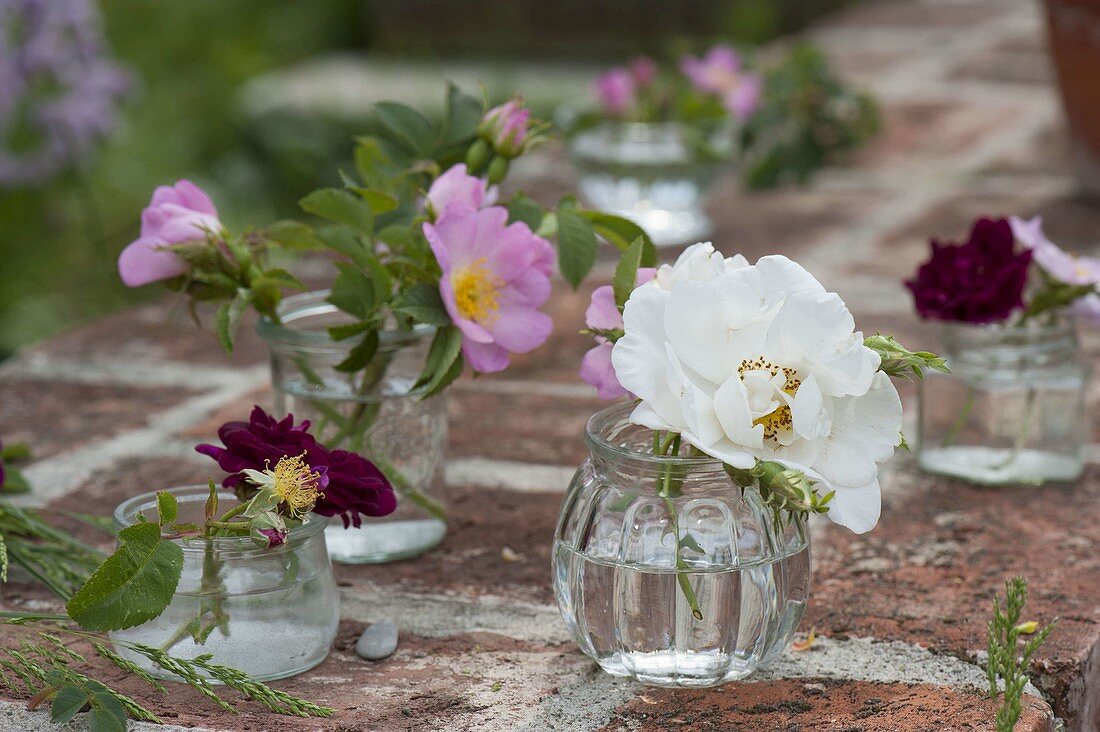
(644,70)
(1060,264)
(603,314)
(176,214)
(456,187)
(505,127)
(495,277)
(615,91)
(720,73)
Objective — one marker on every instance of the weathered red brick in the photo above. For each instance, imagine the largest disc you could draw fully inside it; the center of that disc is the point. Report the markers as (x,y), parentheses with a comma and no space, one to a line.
(820,705)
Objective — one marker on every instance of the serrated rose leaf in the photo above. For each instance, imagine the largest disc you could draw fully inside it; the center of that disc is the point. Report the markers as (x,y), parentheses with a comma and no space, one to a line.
(133,585)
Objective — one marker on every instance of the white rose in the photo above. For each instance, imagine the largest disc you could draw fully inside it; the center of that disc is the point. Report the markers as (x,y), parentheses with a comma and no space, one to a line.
(760,362)
(698,263)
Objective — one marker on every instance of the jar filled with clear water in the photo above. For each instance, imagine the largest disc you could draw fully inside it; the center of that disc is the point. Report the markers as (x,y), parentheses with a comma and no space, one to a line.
(271,613)
(1013,408)
(657,174)
(373,412)
(623,555)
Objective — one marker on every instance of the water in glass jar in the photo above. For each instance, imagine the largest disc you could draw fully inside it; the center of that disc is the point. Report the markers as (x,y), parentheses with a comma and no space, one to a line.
(635,621)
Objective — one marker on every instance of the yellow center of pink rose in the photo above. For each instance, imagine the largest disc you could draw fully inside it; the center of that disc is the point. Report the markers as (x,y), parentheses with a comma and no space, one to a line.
(476,287)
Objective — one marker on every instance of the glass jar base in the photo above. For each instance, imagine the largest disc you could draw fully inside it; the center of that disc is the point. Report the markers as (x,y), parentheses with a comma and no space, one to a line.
(384,541)
(258,656)
(1000,466)
(677,669)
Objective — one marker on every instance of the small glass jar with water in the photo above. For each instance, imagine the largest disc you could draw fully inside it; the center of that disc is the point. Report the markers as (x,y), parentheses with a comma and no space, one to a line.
(625,559)
(372,412)
(271,613)
(657,174)
(1013,408)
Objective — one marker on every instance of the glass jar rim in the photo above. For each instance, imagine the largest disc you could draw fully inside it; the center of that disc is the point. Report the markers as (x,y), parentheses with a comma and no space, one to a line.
(1010,343)
(125,513)
(314,303)
(601,423)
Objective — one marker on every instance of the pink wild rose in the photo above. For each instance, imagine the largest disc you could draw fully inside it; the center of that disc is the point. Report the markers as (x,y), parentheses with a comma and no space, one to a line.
(505,127)
(615,91)
(602,314)
(495,277)
(176,214)
(1061,265)
(644,70)
(456,187)
(720,73)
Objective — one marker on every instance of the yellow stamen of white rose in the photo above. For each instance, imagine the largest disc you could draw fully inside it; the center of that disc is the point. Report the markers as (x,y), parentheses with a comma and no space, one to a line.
(476,288)
(780,418)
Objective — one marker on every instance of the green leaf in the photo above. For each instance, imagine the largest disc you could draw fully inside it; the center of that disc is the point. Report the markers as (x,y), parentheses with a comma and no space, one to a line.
(464,113)
(228,318)
(348,330)
(626,272)
(379,201)
(525,209)
(443,356)
(293,235)
(374,165)
(353,292)
(576,246)
(278,278)
(133,585)
(361,355)
(67,703)
(347,242)
(104,699)
(15,451)
(423,302)
(14,481)
(1055,295)
(621,233)
(103,720)
(341,207)
(408,127)
(167,508)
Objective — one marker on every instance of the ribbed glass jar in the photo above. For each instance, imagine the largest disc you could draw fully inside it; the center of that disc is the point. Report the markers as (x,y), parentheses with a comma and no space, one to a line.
(272,613)
(1013,408)
(652,173)
(622,553)
(371,412)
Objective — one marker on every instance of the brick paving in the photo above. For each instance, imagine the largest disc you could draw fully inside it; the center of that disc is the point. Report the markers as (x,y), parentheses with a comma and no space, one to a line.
(972,126)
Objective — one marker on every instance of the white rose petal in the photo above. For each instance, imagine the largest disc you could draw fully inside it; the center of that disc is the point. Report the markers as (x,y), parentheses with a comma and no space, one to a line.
(759,361)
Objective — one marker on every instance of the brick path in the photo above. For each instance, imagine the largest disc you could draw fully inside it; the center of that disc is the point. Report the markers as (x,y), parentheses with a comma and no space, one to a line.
(972,126)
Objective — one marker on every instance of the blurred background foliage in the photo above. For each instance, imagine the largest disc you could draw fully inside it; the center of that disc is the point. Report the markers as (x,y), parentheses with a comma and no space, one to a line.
(185,117)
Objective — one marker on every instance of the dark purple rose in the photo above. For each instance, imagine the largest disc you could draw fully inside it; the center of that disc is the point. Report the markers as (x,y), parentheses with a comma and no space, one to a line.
(354,485)
(260,443)
(981,281)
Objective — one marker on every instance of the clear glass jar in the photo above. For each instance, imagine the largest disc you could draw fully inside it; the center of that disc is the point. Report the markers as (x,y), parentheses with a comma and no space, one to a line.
(1011,411)
(654,174)
(278,608)
(618,582)
(371,412)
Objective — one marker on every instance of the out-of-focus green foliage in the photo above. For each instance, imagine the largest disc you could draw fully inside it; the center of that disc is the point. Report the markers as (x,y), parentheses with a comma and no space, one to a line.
(807,117)
(59,244)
